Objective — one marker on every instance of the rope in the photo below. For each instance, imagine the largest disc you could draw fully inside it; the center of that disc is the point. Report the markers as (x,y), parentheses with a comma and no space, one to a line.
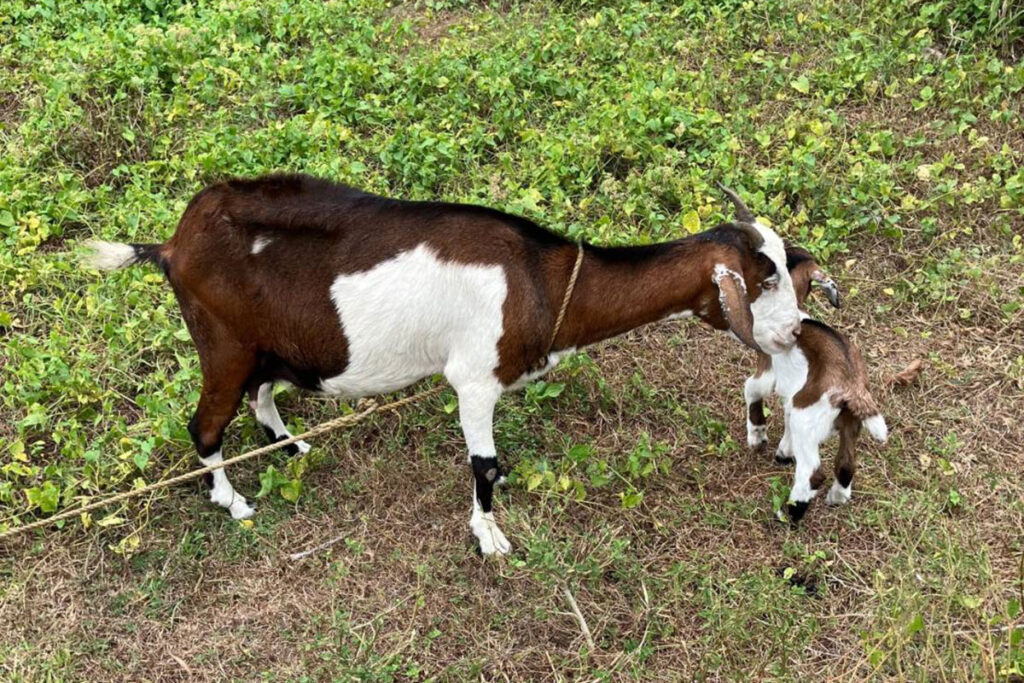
(371,407)
(568,295)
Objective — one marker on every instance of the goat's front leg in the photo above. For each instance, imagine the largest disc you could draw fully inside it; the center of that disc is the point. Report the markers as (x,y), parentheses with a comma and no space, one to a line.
(805,438)
(784,452)
(757,388)
(476,413)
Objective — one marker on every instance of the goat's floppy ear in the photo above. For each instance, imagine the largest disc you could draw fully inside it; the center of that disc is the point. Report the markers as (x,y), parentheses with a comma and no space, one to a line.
(732,294)
(828,286)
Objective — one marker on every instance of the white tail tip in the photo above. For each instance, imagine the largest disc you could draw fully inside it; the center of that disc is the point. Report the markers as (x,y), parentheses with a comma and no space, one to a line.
(108,255)
(877,428)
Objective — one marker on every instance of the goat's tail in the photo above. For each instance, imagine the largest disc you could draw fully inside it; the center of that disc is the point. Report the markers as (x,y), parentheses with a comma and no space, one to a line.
(876,427)
(117,255)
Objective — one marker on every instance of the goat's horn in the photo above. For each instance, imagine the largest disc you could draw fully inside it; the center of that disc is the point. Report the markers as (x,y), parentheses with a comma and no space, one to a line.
(742,212)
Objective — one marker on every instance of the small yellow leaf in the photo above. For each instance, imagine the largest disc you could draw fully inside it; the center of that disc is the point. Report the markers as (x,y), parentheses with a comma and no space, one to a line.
(17,450)
(246,523)
(691,222)
(889,291)
(111,520)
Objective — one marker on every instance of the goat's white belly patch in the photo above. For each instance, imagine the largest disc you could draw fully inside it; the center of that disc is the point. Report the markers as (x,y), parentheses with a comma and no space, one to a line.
(410,316)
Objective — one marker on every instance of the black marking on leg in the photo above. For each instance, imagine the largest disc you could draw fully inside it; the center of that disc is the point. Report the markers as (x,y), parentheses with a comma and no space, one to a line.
(797,510)
(757,412)
(290,449)
(486,472)
(204,451)
(844,476)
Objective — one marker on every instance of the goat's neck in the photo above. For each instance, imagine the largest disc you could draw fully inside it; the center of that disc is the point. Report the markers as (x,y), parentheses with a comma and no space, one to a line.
(620,289)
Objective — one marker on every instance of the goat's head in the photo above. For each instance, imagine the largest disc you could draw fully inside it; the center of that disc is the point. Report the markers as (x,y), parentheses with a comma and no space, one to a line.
(805,272)
(755,288)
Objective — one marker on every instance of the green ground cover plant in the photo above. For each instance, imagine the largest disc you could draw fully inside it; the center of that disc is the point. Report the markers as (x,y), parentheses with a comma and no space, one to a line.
(886,137)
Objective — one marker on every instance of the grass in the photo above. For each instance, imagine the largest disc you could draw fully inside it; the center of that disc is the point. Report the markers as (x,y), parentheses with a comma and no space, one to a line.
(884,136)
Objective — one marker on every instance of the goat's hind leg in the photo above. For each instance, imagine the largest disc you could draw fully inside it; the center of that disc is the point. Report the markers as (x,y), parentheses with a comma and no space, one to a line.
(846,459)
(224,377)
(261,400)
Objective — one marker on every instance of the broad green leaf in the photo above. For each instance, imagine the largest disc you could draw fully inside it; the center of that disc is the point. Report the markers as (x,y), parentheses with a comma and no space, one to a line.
(801,85)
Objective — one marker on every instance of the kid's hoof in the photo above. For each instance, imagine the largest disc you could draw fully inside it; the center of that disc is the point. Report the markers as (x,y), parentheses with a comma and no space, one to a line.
(796,511)
(838,495)
(784,459)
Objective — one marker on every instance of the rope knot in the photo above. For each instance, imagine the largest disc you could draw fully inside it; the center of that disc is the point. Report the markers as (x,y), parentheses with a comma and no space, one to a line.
(366,403)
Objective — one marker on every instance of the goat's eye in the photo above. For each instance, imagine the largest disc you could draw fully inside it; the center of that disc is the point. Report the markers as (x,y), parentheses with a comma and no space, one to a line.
(771,282)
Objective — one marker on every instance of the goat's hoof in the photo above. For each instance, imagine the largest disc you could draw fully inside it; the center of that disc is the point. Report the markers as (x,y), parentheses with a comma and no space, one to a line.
(784,459)
(241,510)
(796,511)
(838,495)
(498,545)
(297,448)
(490,540)
(757,437)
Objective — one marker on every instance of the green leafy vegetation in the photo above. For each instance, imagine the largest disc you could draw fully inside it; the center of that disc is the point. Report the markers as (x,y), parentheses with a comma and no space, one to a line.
(886,137)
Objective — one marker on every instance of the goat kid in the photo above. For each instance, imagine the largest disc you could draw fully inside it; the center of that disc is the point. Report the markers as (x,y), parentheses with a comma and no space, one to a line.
(805,273)
(298,280)
(823,384)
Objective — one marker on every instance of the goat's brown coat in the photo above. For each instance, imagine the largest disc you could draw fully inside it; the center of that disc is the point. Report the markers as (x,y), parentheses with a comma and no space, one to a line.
(261,317)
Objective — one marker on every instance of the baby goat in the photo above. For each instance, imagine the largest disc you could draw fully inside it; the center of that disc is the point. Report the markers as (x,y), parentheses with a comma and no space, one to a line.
(805,272)
(298,280)
(823,384)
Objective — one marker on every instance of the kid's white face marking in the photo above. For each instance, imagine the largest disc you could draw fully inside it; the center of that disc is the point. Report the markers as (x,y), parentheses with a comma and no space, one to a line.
(259,244)
(223,493)
(415,315)
(775,311)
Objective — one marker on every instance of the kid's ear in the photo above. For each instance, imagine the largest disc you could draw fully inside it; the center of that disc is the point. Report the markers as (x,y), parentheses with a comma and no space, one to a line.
(828,286)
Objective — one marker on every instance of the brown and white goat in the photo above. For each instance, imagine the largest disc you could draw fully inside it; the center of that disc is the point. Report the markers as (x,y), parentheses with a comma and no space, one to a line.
(823,384)
(294,279)
(805,273)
